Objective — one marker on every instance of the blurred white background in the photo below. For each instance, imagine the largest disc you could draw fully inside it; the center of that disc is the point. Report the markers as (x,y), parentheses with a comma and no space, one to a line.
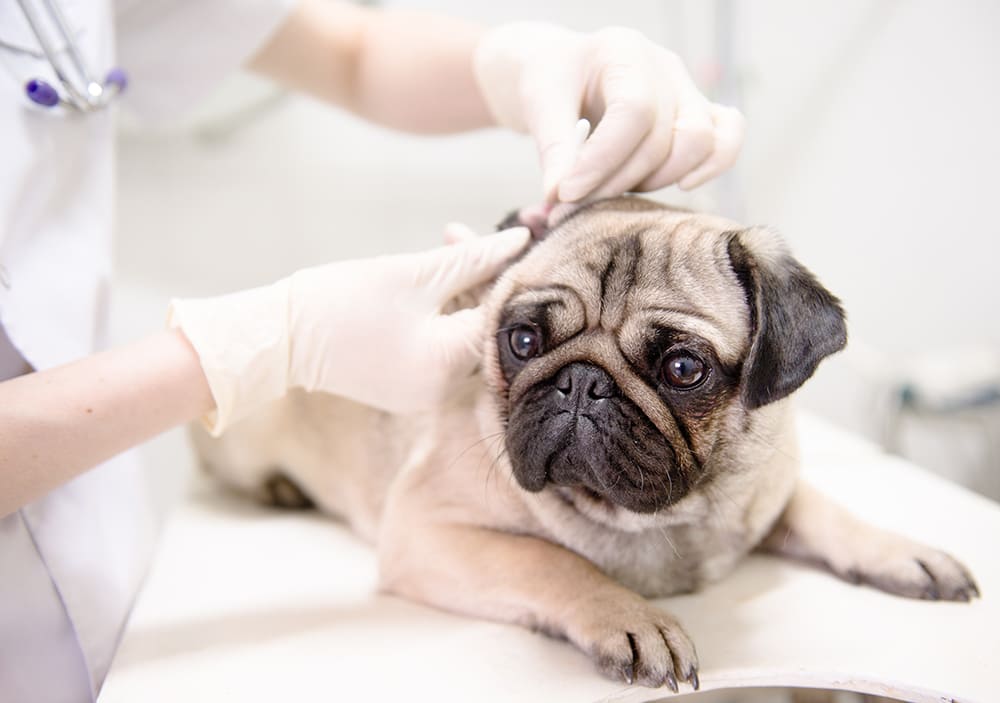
(872,144)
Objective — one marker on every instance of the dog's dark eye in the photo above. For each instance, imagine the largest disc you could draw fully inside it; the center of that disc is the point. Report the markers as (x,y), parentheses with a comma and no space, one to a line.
(525,342)
(682,370)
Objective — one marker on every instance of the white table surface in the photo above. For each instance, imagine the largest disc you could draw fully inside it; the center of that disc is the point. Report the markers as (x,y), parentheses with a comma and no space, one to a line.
(249,604)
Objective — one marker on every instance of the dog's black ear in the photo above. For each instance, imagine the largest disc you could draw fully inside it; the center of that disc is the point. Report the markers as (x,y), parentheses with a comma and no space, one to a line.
(534,218)
(795,321)
(511,219)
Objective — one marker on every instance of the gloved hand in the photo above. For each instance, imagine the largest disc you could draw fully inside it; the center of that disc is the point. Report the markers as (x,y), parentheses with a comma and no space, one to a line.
(370,330)
(652,125)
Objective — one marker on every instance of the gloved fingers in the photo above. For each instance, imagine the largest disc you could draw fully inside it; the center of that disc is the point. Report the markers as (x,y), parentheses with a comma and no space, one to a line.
(518,65)
(554,112)
(449,270)
(458,233)
(693,143)
(647,158)
(729,127)
(630,113)
(459,339)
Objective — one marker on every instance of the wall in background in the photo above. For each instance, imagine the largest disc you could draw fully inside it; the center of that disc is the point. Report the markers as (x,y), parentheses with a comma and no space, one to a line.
(871,144)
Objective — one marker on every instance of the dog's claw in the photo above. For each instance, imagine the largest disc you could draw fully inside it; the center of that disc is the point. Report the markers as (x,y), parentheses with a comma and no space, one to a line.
(931,592)
(634,641)
(913,571)
(692,677)
(970,585)
(852,576)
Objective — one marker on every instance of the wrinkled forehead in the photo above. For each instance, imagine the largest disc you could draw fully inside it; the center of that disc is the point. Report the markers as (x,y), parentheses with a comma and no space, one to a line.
(634,275)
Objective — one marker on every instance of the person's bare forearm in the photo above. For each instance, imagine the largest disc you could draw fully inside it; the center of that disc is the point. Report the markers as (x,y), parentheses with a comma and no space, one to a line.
(56,424)
(407,70)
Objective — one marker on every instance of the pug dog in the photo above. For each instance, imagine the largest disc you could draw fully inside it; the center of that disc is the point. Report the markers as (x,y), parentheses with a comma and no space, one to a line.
(629,436)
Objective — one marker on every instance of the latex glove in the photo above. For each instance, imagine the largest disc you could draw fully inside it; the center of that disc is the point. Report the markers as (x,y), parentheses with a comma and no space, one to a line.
(652,125)
(370,330)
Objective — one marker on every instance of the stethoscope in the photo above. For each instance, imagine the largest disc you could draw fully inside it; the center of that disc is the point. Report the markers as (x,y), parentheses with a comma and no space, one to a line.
(81,91)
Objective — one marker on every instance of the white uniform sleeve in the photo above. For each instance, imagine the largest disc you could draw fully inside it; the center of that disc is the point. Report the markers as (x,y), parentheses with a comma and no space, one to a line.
(176,51)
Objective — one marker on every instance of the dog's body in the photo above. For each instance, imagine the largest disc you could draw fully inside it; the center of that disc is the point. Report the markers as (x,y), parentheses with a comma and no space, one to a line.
(630,436)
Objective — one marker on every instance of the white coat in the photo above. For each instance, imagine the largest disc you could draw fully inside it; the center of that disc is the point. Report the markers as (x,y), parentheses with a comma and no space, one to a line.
(71,563)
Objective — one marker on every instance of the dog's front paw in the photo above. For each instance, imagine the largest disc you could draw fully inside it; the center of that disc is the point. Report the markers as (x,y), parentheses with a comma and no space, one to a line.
(897,565)
(631,639)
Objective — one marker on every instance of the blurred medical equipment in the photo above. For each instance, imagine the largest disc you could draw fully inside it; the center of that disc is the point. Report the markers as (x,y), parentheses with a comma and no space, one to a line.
(81,91)
(939,408)
(944,406)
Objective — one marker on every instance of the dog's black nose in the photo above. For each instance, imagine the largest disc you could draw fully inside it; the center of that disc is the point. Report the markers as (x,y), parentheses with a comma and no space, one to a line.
(580,383)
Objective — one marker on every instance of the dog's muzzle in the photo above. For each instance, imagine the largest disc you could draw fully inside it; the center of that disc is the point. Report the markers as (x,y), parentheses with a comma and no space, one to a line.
(577,429)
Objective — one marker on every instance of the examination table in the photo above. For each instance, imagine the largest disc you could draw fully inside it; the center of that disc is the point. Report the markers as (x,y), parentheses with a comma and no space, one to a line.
(249,604)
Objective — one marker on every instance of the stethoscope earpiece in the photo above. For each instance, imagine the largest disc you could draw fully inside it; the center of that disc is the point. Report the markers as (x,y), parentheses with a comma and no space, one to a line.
(41,93)
(86,95)
(116,77)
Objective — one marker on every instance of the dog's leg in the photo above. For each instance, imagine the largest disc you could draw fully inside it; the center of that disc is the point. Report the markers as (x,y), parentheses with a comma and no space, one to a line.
(816,529)
(539,585)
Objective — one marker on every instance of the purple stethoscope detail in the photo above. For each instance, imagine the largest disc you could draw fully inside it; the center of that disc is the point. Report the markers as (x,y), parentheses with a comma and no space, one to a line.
(85,93)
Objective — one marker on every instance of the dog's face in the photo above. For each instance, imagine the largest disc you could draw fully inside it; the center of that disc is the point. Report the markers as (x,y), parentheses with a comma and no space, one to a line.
(633,343)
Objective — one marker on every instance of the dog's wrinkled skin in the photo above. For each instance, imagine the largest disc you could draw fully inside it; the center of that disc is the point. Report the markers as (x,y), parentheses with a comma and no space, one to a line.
(629,436)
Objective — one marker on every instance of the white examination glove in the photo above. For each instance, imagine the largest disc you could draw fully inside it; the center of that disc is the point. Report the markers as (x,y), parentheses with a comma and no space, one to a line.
(652,125)
(370,330)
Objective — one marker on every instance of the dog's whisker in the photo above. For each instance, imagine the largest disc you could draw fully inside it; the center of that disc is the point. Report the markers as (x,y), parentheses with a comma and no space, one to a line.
(495,438)
(472,446)
(769,443)
(663,531)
